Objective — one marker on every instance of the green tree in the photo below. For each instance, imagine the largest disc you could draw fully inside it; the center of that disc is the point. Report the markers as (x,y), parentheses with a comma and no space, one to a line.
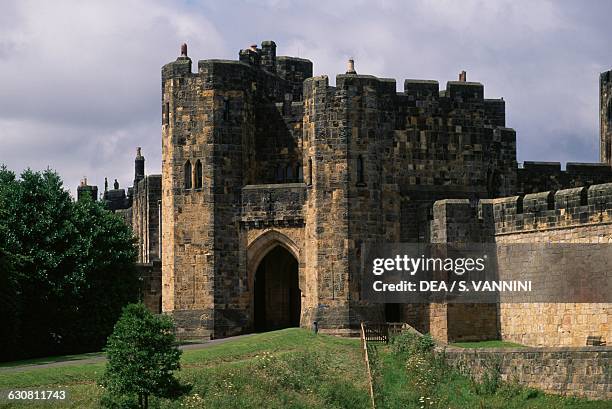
(142,356)
(66,268)
(102,279)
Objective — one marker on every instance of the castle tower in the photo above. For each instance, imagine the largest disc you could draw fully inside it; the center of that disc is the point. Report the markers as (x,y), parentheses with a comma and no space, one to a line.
(605,117)
(85,190)
(347,129)
(207,139)
(187,213)
(139,167)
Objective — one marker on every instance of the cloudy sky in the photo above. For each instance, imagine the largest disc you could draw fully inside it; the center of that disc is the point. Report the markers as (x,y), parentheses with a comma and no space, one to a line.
(80,80)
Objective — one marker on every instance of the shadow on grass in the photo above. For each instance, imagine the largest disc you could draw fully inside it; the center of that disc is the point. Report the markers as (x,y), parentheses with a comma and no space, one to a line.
(51,359)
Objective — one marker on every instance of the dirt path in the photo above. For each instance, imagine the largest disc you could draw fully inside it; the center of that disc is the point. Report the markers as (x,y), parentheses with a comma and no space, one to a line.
(101,357)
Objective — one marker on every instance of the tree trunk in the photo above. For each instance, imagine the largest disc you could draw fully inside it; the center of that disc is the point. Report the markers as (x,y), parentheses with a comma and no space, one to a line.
(146,401)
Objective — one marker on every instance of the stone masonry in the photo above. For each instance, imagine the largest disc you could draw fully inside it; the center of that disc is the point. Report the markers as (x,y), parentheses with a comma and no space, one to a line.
(575,371)
(578,215)
(260,158)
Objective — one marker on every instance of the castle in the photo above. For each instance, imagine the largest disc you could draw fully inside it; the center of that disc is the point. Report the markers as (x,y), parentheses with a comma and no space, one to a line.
(272,179)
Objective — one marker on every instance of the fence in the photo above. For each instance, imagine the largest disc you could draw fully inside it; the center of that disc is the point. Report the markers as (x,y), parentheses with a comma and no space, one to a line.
(366,358)
(376,332)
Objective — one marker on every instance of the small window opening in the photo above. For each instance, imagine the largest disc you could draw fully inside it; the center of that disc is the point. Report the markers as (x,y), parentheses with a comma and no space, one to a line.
(188,175)
(226,109)
(310,171)
(360,170)
(198,175)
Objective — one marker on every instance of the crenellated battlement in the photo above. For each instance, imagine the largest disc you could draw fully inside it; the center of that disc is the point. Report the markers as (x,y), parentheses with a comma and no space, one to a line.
(553,209)
(543,176)
(465,221)
(257,70)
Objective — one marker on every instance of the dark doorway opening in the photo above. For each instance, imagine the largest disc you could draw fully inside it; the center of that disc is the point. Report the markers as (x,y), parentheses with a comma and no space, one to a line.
(277,293)
(393,312)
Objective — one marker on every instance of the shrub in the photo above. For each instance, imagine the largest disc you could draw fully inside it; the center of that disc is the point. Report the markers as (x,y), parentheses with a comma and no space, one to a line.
(411,343)
(142,356)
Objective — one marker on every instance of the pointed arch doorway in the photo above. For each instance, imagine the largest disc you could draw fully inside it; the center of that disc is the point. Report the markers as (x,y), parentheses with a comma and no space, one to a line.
(276,301)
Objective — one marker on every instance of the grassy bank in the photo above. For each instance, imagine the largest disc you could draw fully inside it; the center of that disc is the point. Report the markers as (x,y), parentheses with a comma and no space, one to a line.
(296,369)
(409,375)
(283,369)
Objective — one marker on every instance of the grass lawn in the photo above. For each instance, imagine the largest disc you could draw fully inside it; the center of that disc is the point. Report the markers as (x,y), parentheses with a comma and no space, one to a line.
(410,379)
(282,369)
(487,344)
(295,369)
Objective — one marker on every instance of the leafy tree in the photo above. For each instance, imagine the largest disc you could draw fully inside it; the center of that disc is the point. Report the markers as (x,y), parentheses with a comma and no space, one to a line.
(142,355)
(9,300)
(102,279)
(66,268)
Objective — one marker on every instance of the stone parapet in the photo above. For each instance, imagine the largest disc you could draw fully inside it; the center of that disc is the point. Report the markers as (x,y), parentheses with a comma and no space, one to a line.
(581,371)
(273,205)
(549,210)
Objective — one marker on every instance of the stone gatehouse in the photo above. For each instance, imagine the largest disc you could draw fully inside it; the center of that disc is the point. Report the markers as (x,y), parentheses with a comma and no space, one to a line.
(272,179)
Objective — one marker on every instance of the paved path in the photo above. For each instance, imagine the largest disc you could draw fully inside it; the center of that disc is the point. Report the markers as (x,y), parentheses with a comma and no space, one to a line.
(101,357)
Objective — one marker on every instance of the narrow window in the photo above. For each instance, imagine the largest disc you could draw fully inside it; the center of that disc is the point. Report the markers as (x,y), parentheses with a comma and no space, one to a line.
(519,205)
(198,175)
(310,171)
(584,197)
(166,113)
(360,176)
(289,173)
(226,109)
(187,175)
(280,173)
(298,172)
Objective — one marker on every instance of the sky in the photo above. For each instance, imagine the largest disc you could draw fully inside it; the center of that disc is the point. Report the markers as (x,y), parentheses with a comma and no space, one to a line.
(80,84)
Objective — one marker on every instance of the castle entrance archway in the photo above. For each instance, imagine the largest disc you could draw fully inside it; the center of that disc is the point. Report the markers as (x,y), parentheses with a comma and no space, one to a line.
(277,295)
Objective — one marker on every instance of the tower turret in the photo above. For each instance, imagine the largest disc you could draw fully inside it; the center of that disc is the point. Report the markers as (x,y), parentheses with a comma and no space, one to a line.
(605,117)
(85,190)
(139,167)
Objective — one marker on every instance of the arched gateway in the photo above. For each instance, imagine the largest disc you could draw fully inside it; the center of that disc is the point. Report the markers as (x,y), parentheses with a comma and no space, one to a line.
(273,261)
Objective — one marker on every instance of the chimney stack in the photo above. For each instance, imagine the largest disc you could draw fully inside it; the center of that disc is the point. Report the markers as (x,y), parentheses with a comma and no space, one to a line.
(184,50)
(463,76)
(350,67)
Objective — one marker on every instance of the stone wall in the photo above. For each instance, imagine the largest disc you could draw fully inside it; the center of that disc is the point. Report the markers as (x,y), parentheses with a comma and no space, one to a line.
(581,372)
(273,205)
(536,177)
(456,221)
(150,285)
(146,217)
(579,215)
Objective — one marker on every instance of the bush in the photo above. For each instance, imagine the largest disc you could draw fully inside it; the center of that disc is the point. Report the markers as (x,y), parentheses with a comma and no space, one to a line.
(411,343)
(142,355)
(490,380)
